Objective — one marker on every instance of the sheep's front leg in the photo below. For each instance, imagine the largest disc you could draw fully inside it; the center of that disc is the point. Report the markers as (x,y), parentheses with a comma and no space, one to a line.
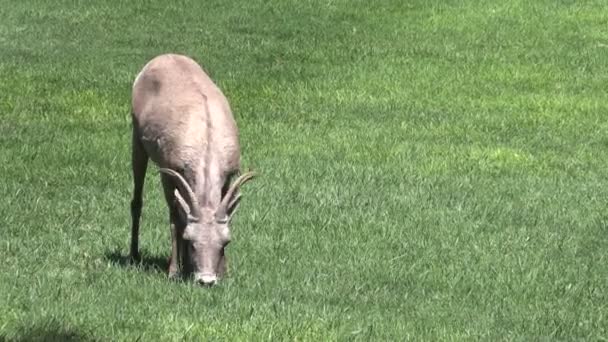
(176,253)
(175,227)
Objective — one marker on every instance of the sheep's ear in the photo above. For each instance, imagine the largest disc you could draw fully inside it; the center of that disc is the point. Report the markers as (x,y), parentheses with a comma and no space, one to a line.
(182,208)
(188,232)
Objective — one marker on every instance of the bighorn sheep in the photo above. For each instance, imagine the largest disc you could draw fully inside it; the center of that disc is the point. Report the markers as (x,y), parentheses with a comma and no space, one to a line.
(183,122)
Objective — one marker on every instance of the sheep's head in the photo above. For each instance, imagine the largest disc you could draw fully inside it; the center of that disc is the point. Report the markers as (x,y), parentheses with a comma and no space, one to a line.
(206,231)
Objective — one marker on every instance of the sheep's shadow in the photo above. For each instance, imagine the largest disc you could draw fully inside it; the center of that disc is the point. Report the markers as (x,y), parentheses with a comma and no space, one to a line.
(49,331)
(148,263)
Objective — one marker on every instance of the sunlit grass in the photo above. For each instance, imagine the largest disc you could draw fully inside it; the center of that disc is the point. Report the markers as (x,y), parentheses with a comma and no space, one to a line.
(430,170)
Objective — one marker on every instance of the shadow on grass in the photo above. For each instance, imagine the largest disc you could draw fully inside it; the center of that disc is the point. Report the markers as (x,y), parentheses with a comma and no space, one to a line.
(49,331)
(148,263)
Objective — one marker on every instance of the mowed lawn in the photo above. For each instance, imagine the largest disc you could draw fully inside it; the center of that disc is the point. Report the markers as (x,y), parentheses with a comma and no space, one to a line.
(429,170)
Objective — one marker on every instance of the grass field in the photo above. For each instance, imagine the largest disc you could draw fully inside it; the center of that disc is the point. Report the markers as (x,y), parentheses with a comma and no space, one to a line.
(430,170)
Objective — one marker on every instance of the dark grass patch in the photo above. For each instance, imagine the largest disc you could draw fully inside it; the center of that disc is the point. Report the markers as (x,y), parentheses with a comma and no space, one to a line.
(49,331)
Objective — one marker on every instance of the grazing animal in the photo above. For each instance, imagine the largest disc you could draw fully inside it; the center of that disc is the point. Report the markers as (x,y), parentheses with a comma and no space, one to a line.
(183,122)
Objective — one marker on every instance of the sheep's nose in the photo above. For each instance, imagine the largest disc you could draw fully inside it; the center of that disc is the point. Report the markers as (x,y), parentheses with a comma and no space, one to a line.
(206,279)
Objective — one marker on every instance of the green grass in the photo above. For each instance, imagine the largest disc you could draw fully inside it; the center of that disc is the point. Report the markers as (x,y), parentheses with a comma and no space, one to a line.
(430,170)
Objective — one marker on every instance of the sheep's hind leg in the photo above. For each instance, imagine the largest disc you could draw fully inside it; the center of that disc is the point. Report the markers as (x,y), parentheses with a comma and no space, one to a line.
(139,160)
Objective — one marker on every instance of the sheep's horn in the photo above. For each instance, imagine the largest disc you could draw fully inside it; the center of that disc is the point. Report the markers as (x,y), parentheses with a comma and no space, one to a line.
(230,194)
(185,190)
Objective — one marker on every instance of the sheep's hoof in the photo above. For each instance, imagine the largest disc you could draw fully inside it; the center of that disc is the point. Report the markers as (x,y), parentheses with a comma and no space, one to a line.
(135,258)
(175,275)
